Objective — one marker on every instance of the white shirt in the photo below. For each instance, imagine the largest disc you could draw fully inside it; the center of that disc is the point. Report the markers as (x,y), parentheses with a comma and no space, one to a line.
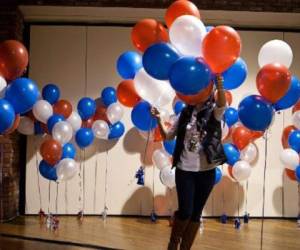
(192,157)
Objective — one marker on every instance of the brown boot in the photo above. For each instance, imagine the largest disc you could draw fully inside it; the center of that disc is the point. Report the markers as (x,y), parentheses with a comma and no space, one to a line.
(178,229)
(189,235)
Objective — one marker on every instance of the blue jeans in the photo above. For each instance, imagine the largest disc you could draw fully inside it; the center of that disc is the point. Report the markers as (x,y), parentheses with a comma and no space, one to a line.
(193,189)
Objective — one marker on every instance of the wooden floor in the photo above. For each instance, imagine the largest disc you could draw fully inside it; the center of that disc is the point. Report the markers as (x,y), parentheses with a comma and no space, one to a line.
(140,233)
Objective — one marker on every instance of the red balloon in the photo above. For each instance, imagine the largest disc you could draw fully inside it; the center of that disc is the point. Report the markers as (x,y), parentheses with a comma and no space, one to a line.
(256,134)
(296,107)
(147,32)
(180,8)
(13,59)
(228,97)
(51,151)
(63,107)
(221,47)
(14,126)
(273,81)
(202,96)
(291,174)
(88,123)
(126,93)
(100,113)
(241,137)
(157,135)
(285,135)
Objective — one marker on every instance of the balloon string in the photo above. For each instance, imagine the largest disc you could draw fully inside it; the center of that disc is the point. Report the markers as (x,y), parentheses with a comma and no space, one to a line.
(38,175)
(56,201)
(66,196)
(105,181)
(83,182)
(95,184)
(283,176)
(264,192)
(49,196)
(147,143)
(223,193)
(153,188)
(1,167)
(80,181)
(247,187)
(238,200)
(212,203)
(298,199)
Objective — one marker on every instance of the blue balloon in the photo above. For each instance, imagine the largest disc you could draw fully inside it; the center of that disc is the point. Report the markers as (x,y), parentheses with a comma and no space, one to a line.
(22,93)
(158,60)
(47,171)
(7,115)
(128,64)
(69,151)
(256,113)
(38,130)
(84,137)
(297,173)
(235,75)
(218,175)
(53,120)
(231,116)
(116,130)
(141,117)
(294,140)
(232,153)
(170,146)
(291,97)
(51,93)
(189,75)
(209,28)
(179,106)
(86,108)
(108,96)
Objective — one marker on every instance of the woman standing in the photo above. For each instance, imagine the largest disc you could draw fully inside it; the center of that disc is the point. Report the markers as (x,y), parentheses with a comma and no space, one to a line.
(198,151)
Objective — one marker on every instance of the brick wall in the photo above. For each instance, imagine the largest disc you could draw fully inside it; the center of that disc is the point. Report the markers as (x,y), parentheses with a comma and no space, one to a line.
(11,26)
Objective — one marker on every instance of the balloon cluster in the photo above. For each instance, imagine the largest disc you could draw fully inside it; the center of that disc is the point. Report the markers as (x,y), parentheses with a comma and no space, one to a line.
(290,140)
(92,119)
(22,107)
(181,61)
(277,87)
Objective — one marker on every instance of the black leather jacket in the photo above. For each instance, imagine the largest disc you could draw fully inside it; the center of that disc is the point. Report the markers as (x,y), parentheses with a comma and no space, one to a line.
(212,142)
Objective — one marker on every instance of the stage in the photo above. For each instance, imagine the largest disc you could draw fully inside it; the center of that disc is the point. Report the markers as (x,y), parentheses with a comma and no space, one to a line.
(140,233)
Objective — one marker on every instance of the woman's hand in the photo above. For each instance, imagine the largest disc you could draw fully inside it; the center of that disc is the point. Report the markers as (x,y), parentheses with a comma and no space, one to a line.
(154,111)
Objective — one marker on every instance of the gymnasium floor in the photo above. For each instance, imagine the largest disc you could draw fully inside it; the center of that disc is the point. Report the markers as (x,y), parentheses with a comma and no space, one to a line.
(140,233)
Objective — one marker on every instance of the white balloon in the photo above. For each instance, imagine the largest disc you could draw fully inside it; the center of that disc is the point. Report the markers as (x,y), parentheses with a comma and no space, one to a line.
(75,121)
(62,132)
(275,51)
(289,158)
(3,85)
(249,153)
(225,129)
(100,129)
(296,119)
(158,93)
(26,126)
(241,170)
(167,177)
(161,158)
(114,112)
(186,34)
(66,169)
(42,110)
